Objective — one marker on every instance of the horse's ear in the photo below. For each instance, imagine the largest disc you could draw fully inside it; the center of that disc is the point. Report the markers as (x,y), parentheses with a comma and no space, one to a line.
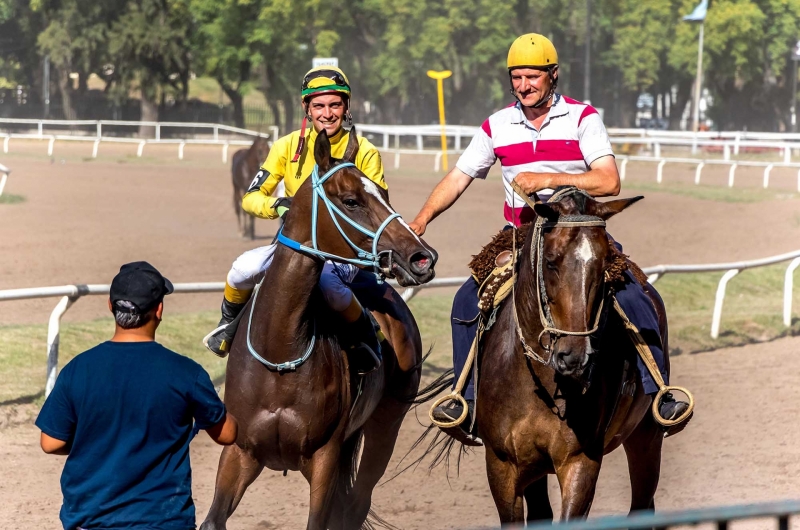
(352,146)
(547,211)
(322,151)
(606,210)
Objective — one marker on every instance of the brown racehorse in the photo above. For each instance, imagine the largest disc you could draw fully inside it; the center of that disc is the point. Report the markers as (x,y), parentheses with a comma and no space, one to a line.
(244,166)
(314,419)
(584,398)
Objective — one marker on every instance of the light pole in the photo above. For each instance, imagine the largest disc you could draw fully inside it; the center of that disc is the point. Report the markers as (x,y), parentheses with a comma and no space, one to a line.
(440,76)
(795,58)
(698,15)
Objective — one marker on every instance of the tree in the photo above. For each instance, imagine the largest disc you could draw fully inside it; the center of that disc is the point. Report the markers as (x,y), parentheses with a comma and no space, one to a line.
(225,47)
(150,47)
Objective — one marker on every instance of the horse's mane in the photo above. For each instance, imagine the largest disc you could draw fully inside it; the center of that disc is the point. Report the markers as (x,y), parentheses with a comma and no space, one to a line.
(483,263)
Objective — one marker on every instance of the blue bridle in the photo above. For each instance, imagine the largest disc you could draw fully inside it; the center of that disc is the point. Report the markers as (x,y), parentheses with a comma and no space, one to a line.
(365,258)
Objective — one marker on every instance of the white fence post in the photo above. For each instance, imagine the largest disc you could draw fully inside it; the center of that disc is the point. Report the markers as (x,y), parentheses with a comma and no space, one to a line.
(767,171)
(216,134)
(5,144)
(656,150)
(41,128)
(788,285)
(697,172)
(723,282)
(180,150)
(419,143)
(726,152)
(3,180)
(437,161)
(50,145)
(736,144)
(53,335)
(622,169)
(225,153)
(95,147)
(140,149)
(99,129)
(787,155)
(660,170)
(730,175)
(158,132)
(386,140)
(397,160)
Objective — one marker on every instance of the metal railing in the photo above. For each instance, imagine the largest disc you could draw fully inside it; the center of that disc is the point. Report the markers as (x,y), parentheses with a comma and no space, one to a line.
(730,143)
(721,516)
(701,163)
(71,293)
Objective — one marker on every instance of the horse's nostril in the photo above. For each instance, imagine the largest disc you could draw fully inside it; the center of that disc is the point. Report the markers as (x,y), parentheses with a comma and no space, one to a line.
(421,262)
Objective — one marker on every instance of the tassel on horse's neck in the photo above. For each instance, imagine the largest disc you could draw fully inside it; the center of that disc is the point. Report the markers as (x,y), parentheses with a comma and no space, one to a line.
(302,143)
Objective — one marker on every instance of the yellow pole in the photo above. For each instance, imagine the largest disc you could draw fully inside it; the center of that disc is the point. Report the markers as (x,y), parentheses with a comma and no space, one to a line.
(440,76)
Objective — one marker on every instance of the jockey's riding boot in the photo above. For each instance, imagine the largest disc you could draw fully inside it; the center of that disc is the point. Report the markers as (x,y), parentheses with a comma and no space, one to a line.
(362,341)
(451,412)
(219,341)
(671,409)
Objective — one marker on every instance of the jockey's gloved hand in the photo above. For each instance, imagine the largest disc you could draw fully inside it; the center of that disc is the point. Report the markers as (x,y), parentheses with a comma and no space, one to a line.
(282,206)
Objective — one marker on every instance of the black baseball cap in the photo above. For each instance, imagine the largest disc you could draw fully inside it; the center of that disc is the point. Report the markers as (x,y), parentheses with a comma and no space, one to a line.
(141,284)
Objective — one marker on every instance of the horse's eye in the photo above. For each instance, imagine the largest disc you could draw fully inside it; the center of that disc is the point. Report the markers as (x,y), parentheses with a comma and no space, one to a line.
(351,204)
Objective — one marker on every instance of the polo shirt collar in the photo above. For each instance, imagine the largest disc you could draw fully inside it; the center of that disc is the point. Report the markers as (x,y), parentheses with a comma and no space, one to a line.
(558,108)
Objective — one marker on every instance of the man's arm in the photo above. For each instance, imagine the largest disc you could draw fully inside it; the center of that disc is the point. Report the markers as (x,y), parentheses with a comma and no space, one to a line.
(53,446)
(602,179)
(441,198)
(224,432)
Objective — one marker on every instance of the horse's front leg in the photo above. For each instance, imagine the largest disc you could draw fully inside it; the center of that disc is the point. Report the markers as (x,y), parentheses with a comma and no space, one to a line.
(503,478)
(237,470)
(577,477)
(322,473)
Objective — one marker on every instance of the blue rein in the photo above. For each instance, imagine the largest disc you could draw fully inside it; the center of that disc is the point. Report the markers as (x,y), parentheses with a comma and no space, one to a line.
(364,258)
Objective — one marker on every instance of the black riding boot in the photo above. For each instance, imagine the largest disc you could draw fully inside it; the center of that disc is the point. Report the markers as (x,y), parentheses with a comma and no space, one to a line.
(451,412)
(671,409)
(220,342)
(362,341)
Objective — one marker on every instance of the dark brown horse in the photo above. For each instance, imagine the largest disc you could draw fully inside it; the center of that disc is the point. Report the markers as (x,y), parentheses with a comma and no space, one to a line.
(313,419)
(583,398)
(244,166)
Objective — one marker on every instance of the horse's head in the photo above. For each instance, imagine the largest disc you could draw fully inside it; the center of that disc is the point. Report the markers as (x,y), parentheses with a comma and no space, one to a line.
(402,254)
(575,254)
(261,148)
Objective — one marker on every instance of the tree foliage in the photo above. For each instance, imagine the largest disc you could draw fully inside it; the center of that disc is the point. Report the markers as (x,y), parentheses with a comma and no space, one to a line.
(153,47)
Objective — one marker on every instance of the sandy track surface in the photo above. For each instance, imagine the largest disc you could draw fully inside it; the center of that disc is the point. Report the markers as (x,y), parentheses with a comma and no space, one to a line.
(740,447)
(83,218)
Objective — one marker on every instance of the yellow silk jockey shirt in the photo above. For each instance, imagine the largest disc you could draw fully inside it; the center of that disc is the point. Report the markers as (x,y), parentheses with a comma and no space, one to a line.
(279,166)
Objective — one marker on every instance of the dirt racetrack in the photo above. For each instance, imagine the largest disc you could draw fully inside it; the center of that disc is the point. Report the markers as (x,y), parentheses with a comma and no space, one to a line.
(82,218)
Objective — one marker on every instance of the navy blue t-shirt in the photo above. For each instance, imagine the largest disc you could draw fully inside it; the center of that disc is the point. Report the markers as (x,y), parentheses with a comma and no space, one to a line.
(127,410)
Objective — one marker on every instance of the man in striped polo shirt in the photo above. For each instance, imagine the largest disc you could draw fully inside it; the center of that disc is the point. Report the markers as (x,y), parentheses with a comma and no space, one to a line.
(543,140)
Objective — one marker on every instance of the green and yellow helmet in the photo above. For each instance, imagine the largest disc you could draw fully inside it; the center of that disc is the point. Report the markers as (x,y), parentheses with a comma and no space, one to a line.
(324,80)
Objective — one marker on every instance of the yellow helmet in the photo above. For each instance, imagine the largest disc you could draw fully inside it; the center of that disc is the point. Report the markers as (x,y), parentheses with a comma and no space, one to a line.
(324,80)
(533,51)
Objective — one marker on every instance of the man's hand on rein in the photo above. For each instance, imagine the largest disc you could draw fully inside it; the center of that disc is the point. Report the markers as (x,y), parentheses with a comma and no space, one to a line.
(532,182)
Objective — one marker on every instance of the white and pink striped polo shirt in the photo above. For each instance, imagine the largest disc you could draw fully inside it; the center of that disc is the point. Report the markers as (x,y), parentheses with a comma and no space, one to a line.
(571,137)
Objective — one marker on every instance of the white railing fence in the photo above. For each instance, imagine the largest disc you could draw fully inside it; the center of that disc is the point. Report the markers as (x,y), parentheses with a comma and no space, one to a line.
(730,144)
(71,293)
(623,160)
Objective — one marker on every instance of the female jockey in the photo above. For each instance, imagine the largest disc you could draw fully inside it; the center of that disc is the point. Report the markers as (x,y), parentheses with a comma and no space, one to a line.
(325,96)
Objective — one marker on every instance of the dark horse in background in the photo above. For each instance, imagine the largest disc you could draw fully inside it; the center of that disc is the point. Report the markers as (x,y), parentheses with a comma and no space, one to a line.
(244,166)
(314,419)
(583,398)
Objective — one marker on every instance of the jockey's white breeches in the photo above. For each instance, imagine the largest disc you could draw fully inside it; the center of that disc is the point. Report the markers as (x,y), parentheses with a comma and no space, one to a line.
(250,267)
